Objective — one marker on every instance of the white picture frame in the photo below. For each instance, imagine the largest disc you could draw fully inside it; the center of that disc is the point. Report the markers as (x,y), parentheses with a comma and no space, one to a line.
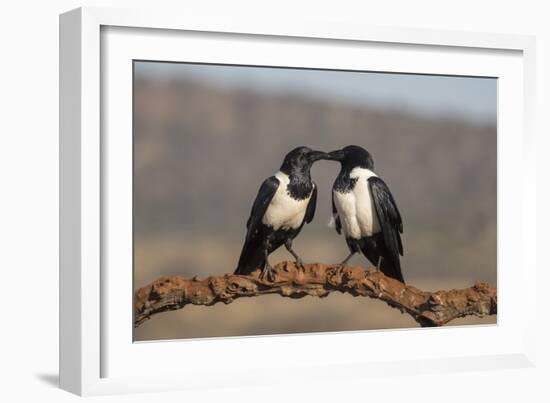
(97,355)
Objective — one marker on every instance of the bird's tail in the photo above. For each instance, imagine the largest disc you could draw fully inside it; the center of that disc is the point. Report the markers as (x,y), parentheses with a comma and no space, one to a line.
(392,268)
(252,257)
(373,248)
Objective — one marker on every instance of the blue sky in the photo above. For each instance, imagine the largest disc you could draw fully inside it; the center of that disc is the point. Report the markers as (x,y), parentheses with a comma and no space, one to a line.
(468,98)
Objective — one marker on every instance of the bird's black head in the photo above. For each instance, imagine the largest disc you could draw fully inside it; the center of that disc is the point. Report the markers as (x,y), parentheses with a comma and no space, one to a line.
(301,159)
(352,157)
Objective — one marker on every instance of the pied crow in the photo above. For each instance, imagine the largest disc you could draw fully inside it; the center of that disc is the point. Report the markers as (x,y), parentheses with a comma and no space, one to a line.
(364,208)
(285,202)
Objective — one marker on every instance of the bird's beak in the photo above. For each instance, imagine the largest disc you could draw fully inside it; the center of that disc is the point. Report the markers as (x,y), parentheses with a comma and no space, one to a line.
(313,156)
(336,155)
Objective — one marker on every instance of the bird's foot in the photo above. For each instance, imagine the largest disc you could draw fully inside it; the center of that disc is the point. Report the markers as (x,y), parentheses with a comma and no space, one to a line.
(267,272)
(300,263)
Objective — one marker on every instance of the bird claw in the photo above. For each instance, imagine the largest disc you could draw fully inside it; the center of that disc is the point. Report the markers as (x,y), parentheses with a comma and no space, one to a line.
(267,272)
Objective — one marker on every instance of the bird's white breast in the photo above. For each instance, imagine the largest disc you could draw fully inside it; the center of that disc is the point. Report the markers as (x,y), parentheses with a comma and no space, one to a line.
(356,207)
(284,211)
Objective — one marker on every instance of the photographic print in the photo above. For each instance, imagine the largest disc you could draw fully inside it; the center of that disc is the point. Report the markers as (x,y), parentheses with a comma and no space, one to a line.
(274,200)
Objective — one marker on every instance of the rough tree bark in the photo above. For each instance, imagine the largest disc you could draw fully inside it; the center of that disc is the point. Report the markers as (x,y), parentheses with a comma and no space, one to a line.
(427,308)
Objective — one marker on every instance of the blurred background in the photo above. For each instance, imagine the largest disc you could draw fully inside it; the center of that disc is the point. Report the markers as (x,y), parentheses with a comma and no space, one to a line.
(206,136)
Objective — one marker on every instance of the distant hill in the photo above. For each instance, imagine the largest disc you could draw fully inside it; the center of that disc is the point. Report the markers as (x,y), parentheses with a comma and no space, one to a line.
(222,143)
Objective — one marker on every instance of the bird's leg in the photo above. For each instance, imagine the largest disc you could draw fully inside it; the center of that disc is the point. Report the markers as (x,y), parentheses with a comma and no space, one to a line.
(379,263)
(288,246)
(267,269)
(345,261)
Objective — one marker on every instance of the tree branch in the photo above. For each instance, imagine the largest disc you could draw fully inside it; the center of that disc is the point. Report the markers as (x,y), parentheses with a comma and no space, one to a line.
(427,308)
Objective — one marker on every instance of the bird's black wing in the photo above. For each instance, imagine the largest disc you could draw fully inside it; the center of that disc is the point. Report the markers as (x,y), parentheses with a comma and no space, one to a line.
(387,213)
(390,221)
(310,211)
(253,251)
(336,217)
(263,198)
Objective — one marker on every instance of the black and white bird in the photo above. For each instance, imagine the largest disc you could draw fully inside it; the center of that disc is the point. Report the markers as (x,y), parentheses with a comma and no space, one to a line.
(285,202)
(364,208)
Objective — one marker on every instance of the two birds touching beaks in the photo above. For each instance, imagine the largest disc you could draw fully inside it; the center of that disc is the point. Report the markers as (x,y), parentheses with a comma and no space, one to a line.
(363,208)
